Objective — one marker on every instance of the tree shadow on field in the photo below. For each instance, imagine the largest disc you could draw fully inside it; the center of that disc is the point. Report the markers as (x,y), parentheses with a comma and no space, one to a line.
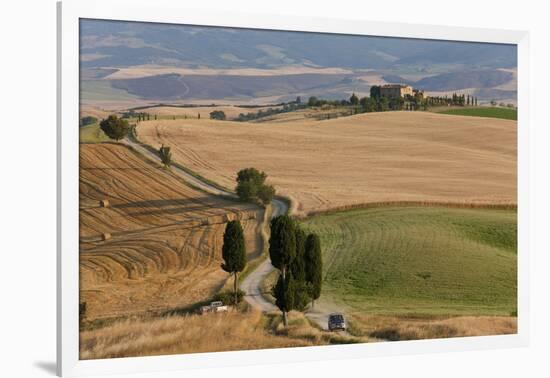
(158,203)
(47,366)
(168,206)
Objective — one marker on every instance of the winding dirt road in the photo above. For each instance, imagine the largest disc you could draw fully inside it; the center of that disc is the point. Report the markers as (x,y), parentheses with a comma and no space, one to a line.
(251,285)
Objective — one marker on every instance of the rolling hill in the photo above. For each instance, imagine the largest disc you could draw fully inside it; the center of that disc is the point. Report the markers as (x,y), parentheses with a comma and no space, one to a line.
(420,260)
(373,157)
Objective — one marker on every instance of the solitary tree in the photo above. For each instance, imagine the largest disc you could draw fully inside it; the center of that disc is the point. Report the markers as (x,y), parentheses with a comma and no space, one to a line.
(251,186)
(114,127)
(233,251)
(165,156)
(217,114)
(314,265)
(282,251)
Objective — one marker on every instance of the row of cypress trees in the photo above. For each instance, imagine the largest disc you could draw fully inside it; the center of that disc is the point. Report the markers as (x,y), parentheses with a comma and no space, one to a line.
(296,254)
(298,258)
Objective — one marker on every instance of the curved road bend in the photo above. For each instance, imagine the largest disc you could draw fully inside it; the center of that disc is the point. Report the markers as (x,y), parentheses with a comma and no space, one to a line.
(251,285)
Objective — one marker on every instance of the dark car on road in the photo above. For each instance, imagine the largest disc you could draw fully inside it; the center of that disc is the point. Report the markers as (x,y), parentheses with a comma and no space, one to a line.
(336,322)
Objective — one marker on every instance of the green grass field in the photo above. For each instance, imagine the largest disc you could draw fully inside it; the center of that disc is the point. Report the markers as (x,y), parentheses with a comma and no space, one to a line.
(92,134)
(420,260)
(494,112)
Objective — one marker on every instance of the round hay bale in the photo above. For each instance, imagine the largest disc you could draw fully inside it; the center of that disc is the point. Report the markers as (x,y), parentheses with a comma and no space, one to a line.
(106,236)
(104,203)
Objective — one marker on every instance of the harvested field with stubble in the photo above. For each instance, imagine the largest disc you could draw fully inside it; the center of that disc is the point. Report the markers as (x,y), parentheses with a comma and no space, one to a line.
(374,157)
(157,245)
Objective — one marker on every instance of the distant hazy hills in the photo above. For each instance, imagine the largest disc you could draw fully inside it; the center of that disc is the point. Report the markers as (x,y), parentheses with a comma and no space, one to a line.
(107,46)
(457,80)
(176,87)
(123,44)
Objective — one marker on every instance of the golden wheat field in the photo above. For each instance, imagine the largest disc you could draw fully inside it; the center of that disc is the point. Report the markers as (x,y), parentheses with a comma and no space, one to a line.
(374,157)
(157,244)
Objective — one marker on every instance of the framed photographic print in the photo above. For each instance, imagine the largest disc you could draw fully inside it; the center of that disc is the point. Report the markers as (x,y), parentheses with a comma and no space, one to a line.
(238,190)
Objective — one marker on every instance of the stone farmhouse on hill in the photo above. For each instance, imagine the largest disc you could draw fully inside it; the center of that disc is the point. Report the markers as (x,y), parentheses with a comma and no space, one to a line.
(396,90)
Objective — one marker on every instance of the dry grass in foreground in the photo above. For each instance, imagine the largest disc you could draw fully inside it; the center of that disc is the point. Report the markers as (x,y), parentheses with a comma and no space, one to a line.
(198,334)
(411,328)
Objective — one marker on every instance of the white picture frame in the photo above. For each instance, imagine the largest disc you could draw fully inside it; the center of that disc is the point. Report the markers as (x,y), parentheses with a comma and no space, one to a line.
(164,11)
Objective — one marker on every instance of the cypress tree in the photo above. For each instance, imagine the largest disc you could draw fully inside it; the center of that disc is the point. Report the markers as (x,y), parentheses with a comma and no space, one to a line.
(314,265)
(297,267)
(282,251)
(300,286)
(234,251)
(283,291)
(165,156)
